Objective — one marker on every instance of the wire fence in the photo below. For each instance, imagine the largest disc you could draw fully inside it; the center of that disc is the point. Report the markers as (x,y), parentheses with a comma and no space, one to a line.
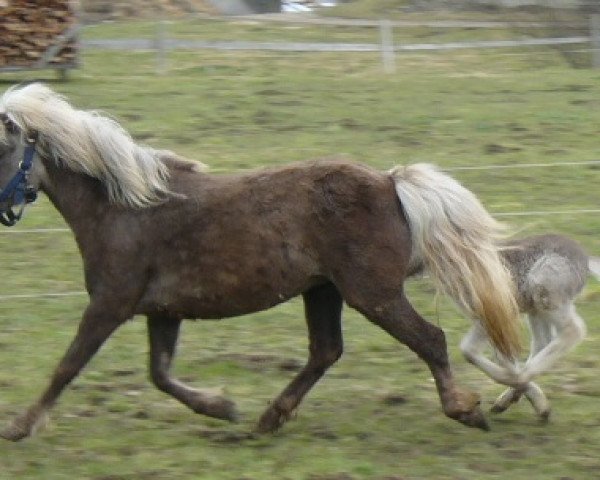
(583,210)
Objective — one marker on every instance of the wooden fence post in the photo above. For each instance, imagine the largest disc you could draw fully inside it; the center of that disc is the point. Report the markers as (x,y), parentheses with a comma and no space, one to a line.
(387,46)
(595,38)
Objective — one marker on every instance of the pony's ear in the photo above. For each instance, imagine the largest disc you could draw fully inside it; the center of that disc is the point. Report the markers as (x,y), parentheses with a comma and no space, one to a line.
(11,127)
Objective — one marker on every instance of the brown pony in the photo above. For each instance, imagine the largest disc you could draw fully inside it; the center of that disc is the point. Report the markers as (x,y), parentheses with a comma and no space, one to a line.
(161,238)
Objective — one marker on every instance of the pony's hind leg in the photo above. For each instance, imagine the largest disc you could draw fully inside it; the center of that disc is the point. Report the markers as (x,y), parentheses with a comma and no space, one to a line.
(570,331)
(163,332)
(323,309)
(472,347)
(399,319)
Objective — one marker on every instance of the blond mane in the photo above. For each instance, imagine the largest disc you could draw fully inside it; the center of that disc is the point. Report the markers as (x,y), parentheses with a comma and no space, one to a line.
(90,143)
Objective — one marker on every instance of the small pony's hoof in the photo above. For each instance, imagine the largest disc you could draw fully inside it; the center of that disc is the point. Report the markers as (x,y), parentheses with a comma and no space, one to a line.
(505,400)
(545,416)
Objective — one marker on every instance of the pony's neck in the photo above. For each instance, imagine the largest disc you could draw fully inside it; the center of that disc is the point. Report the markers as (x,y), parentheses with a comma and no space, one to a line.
(79,198)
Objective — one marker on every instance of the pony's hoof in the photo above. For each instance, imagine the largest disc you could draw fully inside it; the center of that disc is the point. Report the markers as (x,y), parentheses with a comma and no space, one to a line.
(464,407)
(14,433)
(474,419)
(24,426)
(218,407)
(227,410)
(271,420)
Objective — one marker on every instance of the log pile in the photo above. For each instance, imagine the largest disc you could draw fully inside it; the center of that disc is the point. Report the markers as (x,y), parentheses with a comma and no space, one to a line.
(29,30)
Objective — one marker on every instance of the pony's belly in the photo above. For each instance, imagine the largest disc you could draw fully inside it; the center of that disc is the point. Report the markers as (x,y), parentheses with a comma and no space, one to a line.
(214,303)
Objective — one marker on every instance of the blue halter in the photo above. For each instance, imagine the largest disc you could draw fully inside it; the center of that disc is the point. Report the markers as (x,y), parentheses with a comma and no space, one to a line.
(18,192)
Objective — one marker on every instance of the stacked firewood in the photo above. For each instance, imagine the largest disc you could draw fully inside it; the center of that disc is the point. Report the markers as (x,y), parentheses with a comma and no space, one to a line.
(31,30)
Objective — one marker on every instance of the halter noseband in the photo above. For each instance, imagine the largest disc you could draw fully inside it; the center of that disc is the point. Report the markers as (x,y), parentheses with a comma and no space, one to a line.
(18,191)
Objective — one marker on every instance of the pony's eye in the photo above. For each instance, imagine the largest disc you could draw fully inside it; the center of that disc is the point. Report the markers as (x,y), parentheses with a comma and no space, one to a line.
(9,125)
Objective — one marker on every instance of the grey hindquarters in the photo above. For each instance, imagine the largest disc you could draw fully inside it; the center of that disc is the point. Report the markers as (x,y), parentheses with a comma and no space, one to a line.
(549,270)
(594,266)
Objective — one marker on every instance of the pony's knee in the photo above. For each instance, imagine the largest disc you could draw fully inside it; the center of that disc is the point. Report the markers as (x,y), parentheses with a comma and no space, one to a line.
(468,353)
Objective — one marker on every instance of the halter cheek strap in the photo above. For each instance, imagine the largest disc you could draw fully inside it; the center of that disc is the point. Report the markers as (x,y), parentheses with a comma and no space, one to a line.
(18,191)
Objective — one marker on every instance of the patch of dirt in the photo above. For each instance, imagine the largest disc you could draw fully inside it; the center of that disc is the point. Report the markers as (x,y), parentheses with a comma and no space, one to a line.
(140,415)
(225,436)
(484,468)
(494,148)
(125,372)
(331,476)
(259,362)
(394,399)
(324,433)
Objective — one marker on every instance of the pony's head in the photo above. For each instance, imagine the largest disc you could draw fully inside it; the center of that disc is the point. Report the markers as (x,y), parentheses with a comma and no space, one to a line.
(20,178)
(82,141)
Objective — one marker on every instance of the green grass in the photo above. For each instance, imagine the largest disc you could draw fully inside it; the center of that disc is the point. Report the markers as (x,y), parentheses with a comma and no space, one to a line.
(244,110)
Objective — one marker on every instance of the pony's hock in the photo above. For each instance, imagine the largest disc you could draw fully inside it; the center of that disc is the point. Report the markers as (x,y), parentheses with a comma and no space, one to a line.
(162,238)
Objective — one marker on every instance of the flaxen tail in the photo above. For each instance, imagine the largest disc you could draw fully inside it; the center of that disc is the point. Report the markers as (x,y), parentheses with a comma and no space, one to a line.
(594,266)
(455,238)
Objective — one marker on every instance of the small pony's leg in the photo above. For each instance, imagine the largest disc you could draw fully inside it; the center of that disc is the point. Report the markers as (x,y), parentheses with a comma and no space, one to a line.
(532,392)
(400,320)
(163,332)
(570,331)
(96,326)
(323,309)
(541,335)
(472,347)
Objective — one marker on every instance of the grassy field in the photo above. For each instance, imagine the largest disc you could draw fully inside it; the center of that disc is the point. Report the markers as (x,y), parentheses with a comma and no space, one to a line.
(376,414)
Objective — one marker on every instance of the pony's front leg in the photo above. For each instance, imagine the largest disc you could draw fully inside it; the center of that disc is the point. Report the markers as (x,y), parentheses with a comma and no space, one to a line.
(323,309)
(541,335)
(96,326)
(163,332)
